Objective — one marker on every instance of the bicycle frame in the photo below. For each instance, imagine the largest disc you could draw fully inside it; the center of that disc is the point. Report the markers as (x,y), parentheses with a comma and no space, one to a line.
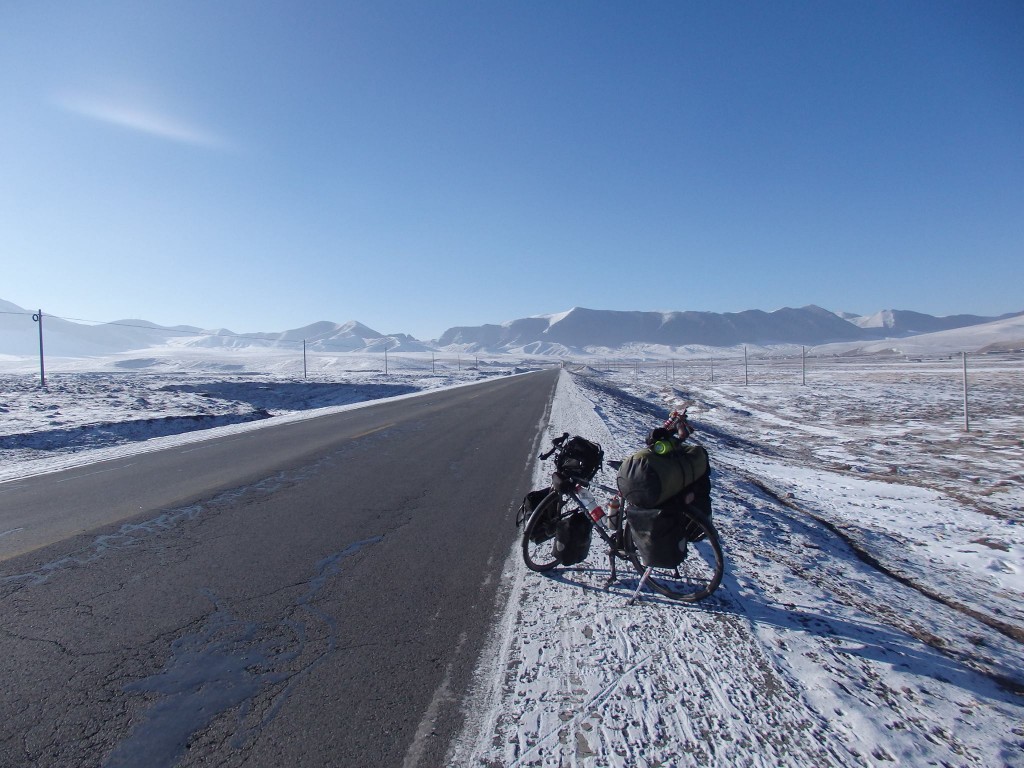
(613,538)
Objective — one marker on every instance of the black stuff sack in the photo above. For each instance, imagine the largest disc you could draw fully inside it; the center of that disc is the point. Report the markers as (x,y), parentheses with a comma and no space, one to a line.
(648,479)
(572,540)
(660,535)
(580,458)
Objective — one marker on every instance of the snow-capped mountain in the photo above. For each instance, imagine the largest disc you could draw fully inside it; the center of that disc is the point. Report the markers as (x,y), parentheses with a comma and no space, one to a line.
(581,328)
(576,331)
(324,335)
(604,331)
(18,336)
(1003,335)
(902,322)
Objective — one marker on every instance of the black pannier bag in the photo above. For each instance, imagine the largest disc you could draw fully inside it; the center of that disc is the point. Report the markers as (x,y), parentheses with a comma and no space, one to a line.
(572,540)
(545,528)
(699,507)
(660,535)
(648,479)
(530,502)
(580,458)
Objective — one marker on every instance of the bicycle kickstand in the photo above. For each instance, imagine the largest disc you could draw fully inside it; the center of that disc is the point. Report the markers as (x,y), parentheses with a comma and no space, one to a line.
(611,571)
(643,580)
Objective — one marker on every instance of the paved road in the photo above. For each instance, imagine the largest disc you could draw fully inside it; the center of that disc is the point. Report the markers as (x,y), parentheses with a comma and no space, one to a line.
(311,594)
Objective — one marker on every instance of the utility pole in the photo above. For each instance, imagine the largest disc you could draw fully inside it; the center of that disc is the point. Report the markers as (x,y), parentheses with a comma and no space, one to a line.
(967,423)
(42,368)
(746,377)
(303,358)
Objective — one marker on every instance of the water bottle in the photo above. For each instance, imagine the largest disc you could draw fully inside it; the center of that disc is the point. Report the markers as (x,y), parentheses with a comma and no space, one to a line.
(614,510)
(593,508)
(661,447)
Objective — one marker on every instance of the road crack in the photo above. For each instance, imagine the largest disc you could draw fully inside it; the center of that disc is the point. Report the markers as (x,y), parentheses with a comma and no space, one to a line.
(232,664)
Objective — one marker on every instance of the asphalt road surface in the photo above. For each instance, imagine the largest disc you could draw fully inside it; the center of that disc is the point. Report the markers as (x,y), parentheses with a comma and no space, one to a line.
(309,594)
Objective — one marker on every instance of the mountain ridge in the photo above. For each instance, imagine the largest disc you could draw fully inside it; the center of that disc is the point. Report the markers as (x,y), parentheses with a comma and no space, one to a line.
(578,329)
(582,328)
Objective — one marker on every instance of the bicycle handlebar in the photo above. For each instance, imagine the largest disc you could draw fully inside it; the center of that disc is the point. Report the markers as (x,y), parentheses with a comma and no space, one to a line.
(555,445)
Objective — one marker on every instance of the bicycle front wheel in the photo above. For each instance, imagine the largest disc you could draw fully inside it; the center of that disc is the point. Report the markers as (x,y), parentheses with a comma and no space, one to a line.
(697,576)
(539,534)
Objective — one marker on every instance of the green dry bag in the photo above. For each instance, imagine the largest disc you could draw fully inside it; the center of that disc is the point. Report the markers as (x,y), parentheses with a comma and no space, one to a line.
(648,479)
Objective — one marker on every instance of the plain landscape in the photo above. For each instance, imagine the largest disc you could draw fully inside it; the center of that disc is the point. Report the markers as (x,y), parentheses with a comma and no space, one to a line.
(296,295)
(871,610)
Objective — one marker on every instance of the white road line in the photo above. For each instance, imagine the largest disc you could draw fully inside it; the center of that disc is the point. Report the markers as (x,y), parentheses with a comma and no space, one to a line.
(97,472)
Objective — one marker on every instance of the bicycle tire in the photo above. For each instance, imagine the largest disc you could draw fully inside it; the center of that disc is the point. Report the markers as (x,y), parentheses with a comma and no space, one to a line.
(700,573)
(540,555)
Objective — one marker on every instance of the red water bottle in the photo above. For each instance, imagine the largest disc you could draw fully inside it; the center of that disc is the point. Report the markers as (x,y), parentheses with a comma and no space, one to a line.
(614,510)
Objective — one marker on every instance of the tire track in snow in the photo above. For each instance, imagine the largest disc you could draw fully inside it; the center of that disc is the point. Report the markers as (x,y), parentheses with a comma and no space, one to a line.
(589,681)
(882,646)
(803,657)
(1010,631)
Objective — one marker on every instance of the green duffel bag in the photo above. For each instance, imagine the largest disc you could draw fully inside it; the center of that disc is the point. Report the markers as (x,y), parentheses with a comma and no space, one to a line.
(648,479)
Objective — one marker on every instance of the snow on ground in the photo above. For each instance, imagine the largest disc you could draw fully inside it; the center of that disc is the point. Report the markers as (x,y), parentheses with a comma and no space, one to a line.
(99,408)
(871,612)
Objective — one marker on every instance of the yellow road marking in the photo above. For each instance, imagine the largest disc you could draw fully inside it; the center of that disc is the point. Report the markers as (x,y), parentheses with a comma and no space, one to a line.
(370,432)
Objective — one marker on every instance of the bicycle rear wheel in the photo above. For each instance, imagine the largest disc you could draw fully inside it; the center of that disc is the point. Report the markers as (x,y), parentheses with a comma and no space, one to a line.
(539,533)
(697,576)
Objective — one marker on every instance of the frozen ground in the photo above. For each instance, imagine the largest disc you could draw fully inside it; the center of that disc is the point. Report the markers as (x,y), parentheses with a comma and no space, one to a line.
(872,609)
(125,404)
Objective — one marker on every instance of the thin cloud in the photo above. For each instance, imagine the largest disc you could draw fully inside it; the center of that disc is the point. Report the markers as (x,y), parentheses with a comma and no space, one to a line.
(139,119)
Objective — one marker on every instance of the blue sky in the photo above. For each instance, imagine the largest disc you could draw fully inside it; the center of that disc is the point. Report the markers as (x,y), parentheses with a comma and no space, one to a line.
(415,166)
